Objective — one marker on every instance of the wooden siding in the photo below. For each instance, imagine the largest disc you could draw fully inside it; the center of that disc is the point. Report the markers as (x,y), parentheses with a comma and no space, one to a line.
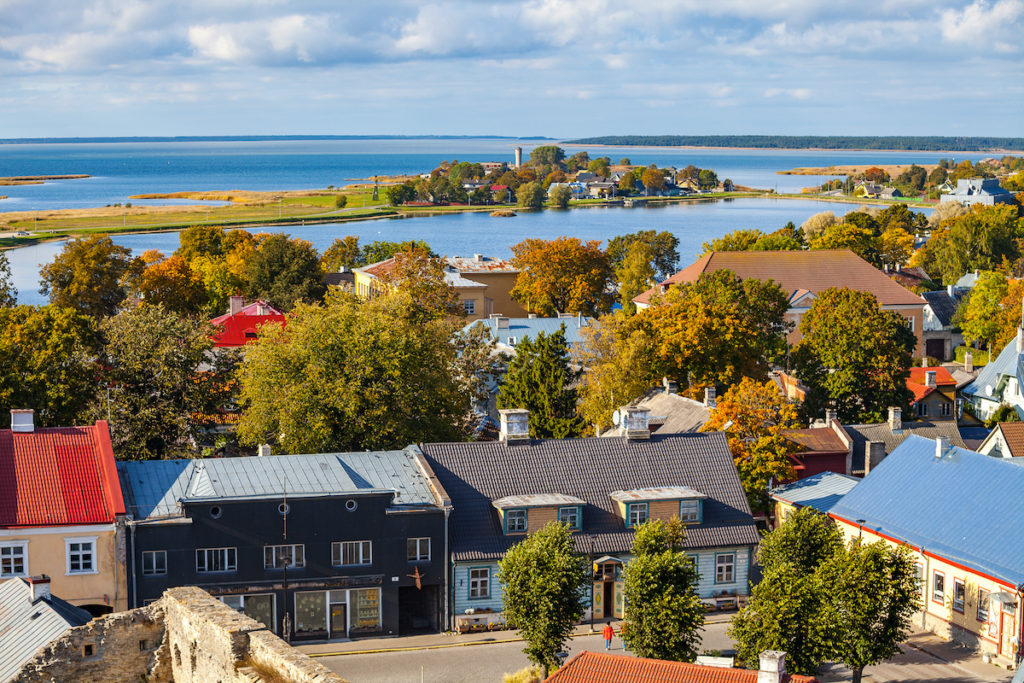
(537,518)
(663,509)
(460,588)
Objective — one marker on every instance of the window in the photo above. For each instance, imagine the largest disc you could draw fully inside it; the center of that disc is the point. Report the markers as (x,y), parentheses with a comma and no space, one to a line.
(946,409)
(959,595)
(637,513)
(910,322)
(279,556)
(515,521)
(209,560)
(479,583)
(511,341)
(13,559)
(81,555)
(469,306)
(154,562)
(569,516)
(982,604)
(938,587)
(919,577)
(689,510)
(725,568)
(351,553)
(418,549)
(922,409)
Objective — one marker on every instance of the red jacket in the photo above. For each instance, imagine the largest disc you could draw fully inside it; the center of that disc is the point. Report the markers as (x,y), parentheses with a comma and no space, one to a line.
(609,632)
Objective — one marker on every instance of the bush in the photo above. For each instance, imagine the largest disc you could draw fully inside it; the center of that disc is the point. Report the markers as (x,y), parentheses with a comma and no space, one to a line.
(531,674)
(340,201)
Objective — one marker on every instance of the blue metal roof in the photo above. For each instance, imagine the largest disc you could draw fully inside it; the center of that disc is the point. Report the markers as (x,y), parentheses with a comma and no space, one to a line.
(1006,363)
(154,488)
(821,491)
(964,507)
(523,328)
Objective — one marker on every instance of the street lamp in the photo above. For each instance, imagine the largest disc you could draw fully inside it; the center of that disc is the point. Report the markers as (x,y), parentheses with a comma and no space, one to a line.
(860,529)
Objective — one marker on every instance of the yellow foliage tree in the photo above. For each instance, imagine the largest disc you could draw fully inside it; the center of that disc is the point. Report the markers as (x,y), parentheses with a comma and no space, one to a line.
(564,275)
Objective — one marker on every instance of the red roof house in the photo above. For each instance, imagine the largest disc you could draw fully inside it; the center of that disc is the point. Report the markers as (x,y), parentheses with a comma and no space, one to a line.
(240,325)
(934,392)
(600,667)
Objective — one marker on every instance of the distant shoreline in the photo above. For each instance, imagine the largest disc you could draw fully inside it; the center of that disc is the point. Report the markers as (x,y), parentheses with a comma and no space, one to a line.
(798,149)
(254,138)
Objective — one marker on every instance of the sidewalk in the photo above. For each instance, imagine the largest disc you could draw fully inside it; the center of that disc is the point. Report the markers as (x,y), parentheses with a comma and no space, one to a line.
(435,641)
(963,658)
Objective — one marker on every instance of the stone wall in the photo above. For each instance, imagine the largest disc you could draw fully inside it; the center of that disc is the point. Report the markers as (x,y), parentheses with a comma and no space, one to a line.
(185,637)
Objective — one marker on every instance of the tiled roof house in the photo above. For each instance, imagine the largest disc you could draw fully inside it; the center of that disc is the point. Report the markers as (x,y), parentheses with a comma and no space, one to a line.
(802,275)
(602,488)
(602,667)
(1005,441)
(240,325)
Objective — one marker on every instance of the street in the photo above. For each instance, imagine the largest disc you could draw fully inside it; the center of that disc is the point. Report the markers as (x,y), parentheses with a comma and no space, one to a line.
(487,662)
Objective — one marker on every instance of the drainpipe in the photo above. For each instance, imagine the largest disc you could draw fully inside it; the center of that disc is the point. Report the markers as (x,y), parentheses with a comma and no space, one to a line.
(135,601)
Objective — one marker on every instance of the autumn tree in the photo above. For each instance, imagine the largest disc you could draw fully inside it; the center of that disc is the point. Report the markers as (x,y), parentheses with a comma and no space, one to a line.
(543,580)
(663,246)
(853,356)
(560,197)
(653,180)
(47,362)
(895,246)
(161,381)
(284,271)
(200,240)
(707,179)
(530,195)
(783,239)
(422,277)
(817,223)
(88,275)
(381,250)
(635,275)
(171,283)
(664,615)
(977,240)
(565,275)
(344,252)
(600,166)
(978,314)
(8,292)
(719,329)
(876,175)
(541,379)
(859,239)
(349,375)
(754,415)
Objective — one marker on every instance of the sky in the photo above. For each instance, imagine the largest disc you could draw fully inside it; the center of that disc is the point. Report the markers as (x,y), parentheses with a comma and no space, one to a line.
(560,68)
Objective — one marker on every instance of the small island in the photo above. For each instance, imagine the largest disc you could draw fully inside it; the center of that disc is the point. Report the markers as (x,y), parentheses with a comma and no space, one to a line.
(39,179)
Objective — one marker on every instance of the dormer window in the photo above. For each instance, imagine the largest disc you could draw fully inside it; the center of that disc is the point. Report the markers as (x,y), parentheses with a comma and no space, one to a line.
(689,511)
(637,514)
(515,521)
(636,506)
(530,512)
(570,516)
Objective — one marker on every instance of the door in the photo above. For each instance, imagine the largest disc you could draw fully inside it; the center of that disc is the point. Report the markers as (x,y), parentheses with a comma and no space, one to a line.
(936,348)
(338,619)
(598,607)
(619,599)
(1006,634)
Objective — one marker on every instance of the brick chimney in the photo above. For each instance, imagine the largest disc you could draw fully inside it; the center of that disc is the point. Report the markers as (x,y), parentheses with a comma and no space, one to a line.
(771,667)
(515,425)
(23,421)
(709,397)
(235,304)
(39,586)
(895,419)
(874,453)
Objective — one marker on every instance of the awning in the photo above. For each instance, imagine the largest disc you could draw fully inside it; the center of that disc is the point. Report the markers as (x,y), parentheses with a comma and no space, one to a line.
(1005,597)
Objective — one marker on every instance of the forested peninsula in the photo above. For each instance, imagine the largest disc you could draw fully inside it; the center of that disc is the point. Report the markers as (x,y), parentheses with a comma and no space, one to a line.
(924,143)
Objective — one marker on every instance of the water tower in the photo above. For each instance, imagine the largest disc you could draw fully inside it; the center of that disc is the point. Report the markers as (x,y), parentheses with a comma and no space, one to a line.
(519,157)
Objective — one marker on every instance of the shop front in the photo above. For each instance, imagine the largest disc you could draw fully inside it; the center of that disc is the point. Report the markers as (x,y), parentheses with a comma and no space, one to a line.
(345,613)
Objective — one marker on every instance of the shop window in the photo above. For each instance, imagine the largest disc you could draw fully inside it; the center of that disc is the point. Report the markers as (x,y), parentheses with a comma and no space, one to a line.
(364,610)
(310,611)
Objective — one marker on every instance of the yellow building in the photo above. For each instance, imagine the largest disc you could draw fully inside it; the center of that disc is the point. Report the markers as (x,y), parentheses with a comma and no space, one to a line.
(484,284)
(959,515)
(61,511)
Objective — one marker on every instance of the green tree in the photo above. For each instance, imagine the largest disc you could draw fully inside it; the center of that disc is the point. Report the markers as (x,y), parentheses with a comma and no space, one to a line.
(47,362)
(200,240)
(979,314)
(546,155)
(541,379)
(707,179)
(977,240)
(378,251)
(8,292)
(869,596)
(340,201)
(349,375)
(400,194)
(530,195)
(344,252)
(600,166)
(284,271)
(565,275)
(627,185)
(664,247)
(937,176)
(422,277)
(543,581)
(737,240)
(88,275)
(560,196)
(636,275)
(664,615)
(854,356)
(784,611)
(859,239)
(162,383)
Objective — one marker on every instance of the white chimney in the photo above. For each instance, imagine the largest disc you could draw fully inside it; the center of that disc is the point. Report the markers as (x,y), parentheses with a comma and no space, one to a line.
(263,450)
(531,316)
(494,316)
(636,422)
(479,258)
(235,304)
(709,397)
(941,446)
(39,586)
(830,417)
(895,419)
(772,667)
(951,290)
(515,425)
(23,421)
(670,386)
(930,378)
(969,362)
(924,362)
(501,322)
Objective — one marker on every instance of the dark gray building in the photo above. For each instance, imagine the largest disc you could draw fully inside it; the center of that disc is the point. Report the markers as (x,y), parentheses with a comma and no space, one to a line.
(315,546)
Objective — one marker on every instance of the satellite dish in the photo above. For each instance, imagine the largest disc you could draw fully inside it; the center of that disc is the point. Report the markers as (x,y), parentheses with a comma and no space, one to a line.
(988,390)
(617,418)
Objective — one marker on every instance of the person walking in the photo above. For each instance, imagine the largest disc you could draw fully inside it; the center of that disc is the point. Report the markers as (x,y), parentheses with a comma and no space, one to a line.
(609,633)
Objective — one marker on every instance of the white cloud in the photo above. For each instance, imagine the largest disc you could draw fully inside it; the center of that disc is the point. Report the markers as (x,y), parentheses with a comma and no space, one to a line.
(795,93)
(983,23)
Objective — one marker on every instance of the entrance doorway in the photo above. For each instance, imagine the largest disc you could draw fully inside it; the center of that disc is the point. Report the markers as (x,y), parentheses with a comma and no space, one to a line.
(339,620)
(417,610)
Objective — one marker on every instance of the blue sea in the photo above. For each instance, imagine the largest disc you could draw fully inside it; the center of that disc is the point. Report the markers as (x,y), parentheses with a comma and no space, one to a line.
(122,169)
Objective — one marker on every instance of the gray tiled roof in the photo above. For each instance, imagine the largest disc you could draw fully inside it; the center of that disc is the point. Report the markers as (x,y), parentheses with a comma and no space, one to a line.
(943,305)
(26,626)
(862,434)
(672,413)
(475,473)
(153,488)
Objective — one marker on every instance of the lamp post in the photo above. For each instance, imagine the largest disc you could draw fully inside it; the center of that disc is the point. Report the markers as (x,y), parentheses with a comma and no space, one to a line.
(860,530)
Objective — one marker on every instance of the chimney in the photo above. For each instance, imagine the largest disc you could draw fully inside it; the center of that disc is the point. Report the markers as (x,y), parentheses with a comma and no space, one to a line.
(941,446)
(951,290)
(494,316)
(895,419)
(515,425)
(771,667)
(636,422)
(566,315)
(969,362)
(709,397)
(830,417)
(924,362)
(39,586)
(670,386)
(263,450)
(501,322)
(874,453)
(235,304)
(479,258)
(531,316)
(23,421)
(930,378)
(1020,340)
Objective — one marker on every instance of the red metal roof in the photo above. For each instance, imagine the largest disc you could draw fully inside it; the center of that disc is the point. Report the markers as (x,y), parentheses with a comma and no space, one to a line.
(240,328)
(58,476)
(599,667)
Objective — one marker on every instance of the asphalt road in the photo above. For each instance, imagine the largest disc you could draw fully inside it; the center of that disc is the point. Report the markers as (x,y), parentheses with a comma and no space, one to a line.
(486,663)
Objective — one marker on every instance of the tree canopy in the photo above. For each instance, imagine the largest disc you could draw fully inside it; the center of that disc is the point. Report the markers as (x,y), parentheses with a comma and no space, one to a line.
(284,271)
(8,292)
(663,246)
(564,275)
(88,275)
